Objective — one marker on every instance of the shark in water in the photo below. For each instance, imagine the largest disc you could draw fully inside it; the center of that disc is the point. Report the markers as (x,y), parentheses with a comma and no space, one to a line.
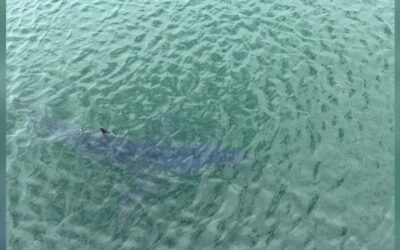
(184,160)
(103,145)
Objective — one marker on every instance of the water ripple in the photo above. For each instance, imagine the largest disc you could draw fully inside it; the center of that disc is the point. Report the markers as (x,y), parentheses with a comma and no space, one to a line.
(305,88)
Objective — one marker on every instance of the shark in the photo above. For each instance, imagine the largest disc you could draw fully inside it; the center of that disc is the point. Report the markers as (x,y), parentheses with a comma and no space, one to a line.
(101,144)
(144,157)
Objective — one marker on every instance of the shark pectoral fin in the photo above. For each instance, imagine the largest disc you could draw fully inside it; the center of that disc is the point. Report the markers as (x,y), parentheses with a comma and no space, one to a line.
(104,131)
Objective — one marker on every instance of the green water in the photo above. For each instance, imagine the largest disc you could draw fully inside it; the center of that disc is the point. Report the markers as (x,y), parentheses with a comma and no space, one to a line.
(305,87)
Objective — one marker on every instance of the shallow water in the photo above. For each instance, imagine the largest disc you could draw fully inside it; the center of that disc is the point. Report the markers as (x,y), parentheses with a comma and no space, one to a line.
(305,88)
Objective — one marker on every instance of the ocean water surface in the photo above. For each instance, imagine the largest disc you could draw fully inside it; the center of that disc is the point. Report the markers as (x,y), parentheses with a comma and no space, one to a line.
(303,88)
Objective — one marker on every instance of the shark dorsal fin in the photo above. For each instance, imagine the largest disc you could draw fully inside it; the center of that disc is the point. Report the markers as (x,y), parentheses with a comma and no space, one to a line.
(104,131)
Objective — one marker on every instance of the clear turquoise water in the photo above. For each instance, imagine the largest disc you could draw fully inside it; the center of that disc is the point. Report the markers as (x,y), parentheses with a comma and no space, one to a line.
(306,87)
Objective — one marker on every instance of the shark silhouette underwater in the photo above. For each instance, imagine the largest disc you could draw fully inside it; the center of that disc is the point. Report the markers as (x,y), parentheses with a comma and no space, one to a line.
(175,158)
(183,159)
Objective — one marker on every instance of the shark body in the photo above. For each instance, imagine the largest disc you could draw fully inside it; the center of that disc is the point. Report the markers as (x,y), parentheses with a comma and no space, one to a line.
(103,145)
(182,159)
